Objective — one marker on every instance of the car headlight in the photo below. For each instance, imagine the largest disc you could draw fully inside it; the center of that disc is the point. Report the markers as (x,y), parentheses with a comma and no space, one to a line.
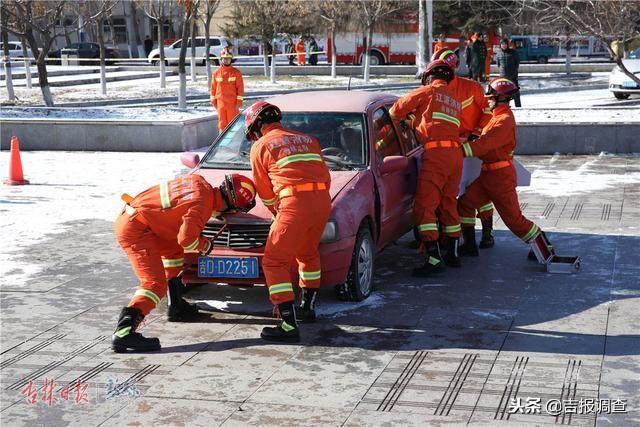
(330,232)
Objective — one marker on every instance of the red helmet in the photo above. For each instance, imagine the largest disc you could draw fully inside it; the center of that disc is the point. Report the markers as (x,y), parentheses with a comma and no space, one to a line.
(258,114)
(501,86)
(226,53)
(239,192)
(438,69)
(446,55)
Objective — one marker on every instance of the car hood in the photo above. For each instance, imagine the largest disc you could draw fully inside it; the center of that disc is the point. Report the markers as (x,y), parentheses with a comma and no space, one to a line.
(339,180)
(632,65)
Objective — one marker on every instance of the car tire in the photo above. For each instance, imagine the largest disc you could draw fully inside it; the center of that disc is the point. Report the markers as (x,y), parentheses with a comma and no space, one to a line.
(620,95)
(376,58)
(543,60)
(359,284)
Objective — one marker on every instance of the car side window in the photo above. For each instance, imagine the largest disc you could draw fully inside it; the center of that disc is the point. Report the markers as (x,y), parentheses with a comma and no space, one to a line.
(385,142)
(199,42)
(407,136)
(177,45)
(215,42)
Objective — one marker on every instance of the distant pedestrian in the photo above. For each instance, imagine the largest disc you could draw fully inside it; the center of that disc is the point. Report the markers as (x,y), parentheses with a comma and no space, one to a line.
(478,55)
(508,64)
(148,45)
(301,51)
(290,49)
(313,49)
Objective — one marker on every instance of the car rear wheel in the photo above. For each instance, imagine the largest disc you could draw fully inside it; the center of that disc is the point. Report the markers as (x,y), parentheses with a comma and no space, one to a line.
(620,95)
(543,60)
(359,284)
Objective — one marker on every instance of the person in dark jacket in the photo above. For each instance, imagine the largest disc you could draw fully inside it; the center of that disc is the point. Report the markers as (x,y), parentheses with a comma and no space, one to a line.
(148,45)
(478,55)
(508,63)
(313,49)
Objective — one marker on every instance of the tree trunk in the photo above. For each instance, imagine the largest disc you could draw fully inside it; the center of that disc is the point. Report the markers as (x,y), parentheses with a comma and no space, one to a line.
(334,55)
(367,58)
(207,49)
(11,96)
(41,56)
(422,56)
(163,68)
(182,69)
(567,56)
(27,63)
(192,62)
(66,33)
(136,30)
(112,31)
(103,73)
(273,60)
(429,49)
(131,37)
(265,58)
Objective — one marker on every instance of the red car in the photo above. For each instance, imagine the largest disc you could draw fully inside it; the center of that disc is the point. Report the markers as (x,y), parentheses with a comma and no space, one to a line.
(373,165)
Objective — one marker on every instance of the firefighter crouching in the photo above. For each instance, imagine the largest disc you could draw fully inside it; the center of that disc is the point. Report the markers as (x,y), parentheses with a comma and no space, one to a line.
(497,180)
(474,115)
(437,121)
(292,180)
(154,230)
(227,90)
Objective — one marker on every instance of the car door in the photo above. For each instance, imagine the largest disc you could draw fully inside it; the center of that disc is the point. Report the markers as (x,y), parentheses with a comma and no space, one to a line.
(392,188)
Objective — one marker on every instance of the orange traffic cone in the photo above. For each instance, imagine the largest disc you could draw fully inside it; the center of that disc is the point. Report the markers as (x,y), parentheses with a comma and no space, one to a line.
(15,167)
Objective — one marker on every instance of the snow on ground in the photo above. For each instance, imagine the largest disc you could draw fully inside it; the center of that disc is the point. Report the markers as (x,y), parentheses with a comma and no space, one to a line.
(577,115)
(122,114)
(70,186)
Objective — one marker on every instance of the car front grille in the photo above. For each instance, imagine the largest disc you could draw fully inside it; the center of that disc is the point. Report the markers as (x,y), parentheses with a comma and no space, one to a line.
(237,236)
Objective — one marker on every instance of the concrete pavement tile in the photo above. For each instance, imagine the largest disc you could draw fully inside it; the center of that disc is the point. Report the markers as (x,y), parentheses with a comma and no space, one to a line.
(260,414)
(368,417)
(564,318)
(151,411)
(442,337)
(554,342)
(624,317)
(363,337)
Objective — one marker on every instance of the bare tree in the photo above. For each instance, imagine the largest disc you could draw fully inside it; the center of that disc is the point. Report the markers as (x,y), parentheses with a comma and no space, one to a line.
(207,9)
(159,10)
(192,24)
(11,96)
(336,14)
(27,62)
(25,19)
(97,12)
(188,7)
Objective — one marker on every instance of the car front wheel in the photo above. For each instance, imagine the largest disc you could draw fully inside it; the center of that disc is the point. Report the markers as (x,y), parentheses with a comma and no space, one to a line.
(620,95)
(359,284)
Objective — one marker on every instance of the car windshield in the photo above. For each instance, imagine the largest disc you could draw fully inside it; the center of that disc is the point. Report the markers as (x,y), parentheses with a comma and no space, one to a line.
(634,54)
(339,135)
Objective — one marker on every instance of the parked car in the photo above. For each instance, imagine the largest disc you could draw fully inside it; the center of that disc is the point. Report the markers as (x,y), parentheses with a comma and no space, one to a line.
(15,50)
(85,51)
(619,83)
(540,52)
(172,52)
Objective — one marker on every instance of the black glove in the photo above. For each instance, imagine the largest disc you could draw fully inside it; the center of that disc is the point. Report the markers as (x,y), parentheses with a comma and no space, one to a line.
(473,137)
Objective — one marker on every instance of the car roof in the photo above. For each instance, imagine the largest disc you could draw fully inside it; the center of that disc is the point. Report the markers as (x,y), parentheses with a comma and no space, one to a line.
(344,101)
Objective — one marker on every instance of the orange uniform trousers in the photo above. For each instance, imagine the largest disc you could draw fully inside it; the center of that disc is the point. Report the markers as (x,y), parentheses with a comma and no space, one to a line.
(227,111)
(497,186)
(295,234)
(438,186)
(146,252)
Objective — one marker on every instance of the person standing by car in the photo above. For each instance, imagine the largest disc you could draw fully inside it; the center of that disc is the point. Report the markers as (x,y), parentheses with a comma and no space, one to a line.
(227,90)
(154,229)
(497,180)
(148,46)
(293,181)
(437,113)
(509,63)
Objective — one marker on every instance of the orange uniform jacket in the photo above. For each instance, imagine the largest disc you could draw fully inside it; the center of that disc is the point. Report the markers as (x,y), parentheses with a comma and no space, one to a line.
(437,112)
(475,113)
(227,87)
(179,209)
(498,139)
(283,157)
(300,48)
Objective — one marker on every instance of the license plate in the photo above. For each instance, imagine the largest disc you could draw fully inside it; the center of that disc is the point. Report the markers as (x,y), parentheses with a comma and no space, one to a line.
(629,84)
(228,267)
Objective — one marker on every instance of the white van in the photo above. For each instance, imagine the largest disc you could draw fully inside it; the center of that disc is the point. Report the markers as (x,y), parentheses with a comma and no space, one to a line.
(171,53)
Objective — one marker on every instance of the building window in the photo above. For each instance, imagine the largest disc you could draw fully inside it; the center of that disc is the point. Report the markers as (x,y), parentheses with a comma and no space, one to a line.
(119,30)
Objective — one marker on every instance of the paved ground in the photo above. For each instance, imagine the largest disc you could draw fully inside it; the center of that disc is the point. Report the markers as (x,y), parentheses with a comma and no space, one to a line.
(455,350)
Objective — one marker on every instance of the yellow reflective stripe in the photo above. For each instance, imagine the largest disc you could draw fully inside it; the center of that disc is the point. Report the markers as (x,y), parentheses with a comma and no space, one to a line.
(433,260)
(445,53)
(467,220)
(467,102)
(172,262)
(269,202)
(486,207)
(311,157)
(239,98)
(380,144)
(219,79)
(447,118)
(310,275)
(165,201)
(249,187)
(468,152)
(532,232)
(192,246)
(280,288)
(286,327)
(123,332)
(487,111)
(432,226)
(452,228)
(148,294)
(232,79)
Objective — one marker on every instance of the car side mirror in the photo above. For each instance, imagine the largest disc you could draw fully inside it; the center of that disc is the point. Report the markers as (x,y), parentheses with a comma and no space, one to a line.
(393,164)
(190,160)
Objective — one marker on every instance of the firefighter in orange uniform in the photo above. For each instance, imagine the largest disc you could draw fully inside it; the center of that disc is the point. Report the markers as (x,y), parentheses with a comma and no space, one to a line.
(301,51)
(154,229)
(475,114)
(292,180)
(497,181)
(437,121)
(227,90)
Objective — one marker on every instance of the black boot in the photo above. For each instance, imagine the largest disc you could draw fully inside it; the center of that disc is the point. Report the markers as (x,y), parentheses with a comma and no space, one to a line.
(469,247)
(487,234)
(452,257)
(287,330)
(434,263)
(125,336)
(307,310)
(179,309)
